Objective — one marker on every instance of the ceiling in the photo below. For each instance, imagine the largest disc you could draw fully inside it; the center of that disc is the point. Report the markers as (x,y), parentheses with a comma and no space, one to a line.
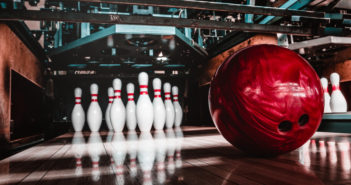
(129,47)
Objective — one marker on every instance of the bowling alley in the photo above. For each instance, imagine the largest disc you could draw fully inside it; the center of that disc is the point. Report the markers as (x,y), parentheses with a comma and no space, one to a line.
(190,92)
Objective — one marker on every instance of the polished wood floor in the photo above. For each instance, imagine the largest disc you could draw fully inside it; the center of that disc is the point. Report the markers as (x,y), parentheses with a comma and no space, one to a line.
(193,155)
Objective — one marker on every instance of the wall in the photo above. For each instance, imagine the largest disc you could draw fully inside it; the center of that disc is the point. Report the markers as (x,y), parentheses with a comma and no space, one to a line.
(216,61)
(340,63)
(13,55)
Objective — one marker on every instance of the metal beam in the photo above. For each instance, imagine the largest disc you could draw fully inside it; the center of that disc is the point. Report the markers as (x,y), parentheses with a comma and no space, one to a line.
(320,41)
(213,6)
(17,15)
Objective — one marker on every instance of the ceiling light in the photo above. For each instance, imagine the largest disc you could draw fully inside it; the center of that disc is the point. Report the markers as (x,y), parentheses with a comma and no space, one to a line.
(110,41)
(161,57)
(160,72)
(141,65)
(109,65)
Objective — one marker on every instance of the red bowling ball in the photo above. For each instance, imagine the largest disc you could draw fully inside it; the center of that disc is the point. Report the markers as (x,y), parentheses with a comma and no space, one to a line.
(266,100)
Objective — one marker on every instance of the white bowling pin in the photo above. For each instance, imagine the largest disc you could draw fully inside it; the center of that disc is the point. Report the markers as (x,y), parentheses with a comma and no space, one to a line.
(324,83)
(337,99)
(118,111)
(168,105)
(94,111)
(108,109)
(130,109)
(177,108)
(78,115)
(159,107)
(144,108)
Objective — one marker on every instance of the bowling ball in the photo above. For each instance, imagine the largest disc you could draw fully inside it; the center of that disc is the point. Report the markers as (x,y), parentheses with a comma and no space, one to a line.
(266,100)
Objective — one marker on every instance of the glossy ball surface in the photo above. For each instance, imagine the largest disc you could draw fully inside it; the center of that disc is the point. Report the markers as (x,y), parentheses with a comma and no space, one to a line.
(266,100)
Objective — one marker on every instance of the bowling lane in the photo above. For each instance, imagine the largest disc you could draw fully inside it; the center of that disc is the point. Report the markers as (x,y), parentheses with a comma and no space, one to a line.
(191,155)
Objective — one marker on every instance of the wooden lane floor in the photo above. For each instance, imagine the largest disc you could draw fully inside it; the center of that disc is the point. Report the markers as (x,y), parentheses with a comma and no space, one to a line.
(191,155)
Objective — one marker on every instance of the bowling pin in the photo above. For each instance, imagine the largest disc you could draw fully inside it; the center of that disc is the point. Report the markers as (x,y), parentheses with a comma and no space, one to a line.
(168,105)
(324,83)
(144,108)
(177,108)
(337,99)
(108,109)
(78,115)
(130,109)
(118,111)
(94,110)
(159,107)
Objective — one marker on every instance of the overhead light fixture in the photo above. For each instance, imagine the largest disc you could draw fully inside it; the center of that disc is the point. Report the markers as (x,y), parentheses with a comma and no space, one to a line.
(80,66)
(93,62)
(160,72)
(141,65)
(174,65)
(172,44)
(161,57)
(109,65)
(110,41)
(113,52)
(128,61)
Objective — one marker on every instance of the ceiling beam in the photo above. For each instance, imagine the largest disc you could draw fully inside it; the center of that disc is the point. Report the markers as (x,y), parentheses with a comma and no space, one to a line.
(19,15)
(212,6)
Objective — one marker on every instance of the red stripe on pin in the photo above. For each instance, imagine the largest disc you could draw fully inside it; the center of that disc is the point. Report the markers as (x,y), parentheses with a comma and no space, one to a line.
(130,99)
(336,88)
(117,91)
(167,93)
(143,92)
(157,90)
(143,86)
(130,94)
(94,94)
(110,101)
(175,95)
(167,98)
(157,96)
(94,100)
(117,97)
(78,98)
(77,102)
